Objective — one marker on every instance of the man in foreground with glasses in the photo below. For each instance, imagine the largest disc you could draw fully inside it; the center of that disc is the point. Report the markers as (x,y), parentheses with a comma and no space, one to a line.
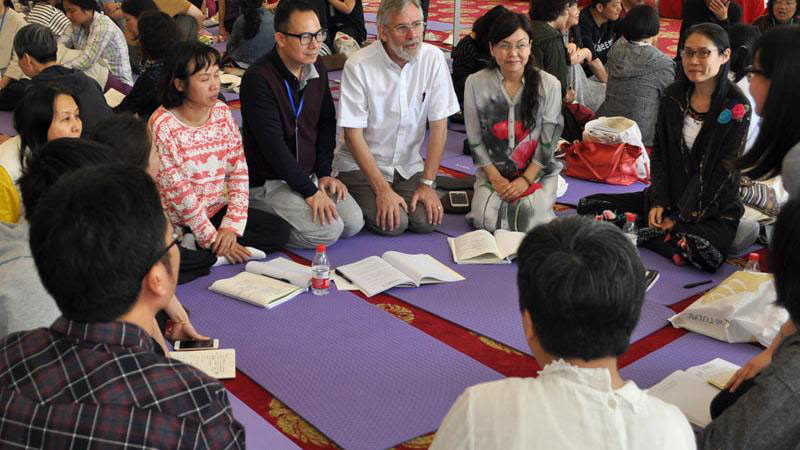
(290,133)
(106,253)
(390,91)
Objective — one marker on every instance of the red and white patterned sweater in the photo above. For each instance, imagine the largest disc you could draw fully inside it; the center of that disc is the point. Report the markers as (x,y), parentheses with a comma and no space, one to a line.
(199,165)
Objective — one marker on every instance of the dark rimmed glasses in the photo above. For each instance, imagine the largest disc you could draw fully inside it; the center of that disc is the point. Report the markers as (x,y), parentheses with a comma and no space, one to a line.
(305,38)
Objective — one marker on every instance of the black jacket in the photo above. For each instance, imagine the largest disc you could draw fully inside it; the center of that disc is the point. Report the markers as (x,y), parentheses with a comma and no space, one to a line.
(92,104)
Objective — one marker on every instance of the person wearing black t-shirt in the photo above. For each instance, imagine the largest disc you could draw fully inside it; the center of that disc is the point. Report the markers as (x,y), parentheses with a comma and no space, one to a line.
(597,28)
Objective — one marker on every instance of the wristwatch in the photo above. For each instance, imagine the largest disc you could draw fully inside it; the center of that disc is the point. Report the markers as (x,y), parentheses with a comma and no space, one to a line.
(430,183)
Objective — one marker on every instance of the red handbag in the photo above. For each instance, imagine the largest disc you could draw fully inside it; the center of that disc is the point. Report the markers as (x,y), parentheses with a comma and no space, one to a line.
(604,163)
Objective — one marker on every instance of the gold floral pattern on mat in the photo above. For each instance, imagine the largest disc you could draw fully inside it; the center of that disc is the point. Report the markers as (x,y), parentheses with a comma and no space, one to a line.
(294,426)
(401,312)
(421,442)
(496,345)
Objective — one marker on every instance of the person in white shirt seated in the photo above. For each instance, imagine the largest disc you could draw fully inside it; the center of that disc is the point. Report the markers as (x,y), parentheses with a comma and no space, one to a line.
(390,91)
(581,287)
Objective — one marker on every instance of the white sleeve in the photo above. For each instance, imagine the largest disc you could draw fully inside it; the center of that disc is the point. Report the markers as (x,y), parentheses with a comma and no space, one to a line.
(443,102)
(456,428)
(353,102)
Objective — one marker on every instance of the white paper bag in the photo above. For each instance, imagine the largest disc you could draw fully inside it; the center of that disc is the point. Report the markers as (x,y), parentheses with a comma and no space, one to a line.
(619,130)
(741,309)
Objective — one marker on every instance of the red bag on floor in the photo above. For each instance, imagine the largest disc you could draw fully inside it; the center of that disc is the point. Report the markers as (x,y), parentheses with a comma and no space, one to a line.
(604,163)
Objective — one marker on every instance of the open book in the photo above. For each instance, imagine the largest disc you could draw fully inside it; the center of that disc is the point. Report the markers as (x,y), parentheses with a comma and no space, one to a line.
(481,247)
(257,289)
(374,274)
(693,389)
(220,364)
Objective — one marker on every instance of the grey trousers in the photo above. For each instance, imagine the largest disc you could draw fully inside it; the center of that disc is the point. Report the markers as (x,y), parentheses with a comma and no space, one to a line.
(278,198)
(360,189)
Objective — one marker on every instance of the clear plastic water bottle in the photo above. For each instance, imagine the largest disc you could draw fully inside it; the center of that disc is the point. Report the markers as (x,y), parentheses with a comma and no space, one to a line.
(320,272)
(629,229)
(752,263)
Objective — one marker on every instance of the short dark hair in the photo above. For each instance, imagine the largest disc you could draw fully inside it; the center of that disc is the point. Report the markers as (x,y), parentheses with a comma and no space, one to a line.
(85,5)
(37,41)
(641,22)
(158,34)
(136,7)
(56,158)
(599,2)
(188,58)
(547,10)
(583,284)
(34,114)
(95,235)
(484,23)
(127,138)
(285,9)
(784,258)
(187,26)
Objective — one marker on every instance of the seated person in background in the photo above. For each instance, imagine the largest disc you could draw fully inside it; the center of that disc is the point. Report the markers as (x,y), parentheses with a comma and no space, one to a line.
(575,332)
(229,11)
(628,5)
(290,132)
(48,15)
(204,179)
(743,41)
(692,209)
(390,90)
(589,93)
(597,24)
(12,21)
(779,12)
(724,13)
(253,34)
(638,72)
(96,36)
(187,26)
(36,47)
(764,416)
(512,111)
(107,300)
(472,51)
(347,16)
(131,10)
(159,34)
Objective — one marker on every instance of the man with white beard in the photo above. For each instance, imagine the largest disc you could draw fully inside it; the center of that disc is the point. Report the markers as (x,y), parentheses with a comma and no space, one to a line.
(390,91)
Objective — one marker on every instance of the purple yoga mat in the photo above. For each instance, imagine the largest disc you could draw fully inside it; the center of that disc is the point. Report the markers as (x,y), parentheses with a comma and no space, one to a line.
(7,123)
(486,302)
(361,376)
(237,116)
(258,432)
(230,95)
(461,163)
(454,225)
(453,147)
(669,287)
(581,188)
(690,350)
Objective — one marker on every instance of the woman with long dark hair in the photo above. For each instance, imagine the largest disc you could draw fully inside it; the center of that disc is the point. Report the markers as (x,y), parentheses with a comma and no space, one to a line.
(773,84)
(512,111)
(253,34)
(691,211)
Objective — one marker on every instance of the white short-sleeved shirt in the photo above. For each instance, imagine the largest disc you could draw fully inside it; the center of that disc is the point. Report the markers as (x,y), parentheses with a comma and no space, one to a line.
(393,106)
(566,407)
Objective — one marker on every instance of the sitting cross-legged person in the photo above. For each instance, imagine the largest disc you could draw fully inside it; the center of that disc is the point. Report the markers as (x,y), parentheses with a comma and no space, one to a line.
(581,287)
(290,133)
(391,90)
(204,178)
(691,211)
(95,377)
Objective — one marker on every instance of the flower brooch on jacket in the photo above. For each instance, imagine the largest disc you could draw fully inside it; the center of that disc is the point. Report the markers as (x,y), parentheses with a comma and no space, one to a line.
(736,113)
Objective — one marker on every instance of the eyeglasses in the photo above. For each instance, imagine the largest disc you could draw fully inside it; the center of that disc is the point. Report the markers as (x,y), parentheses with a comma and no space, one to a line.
(404,28)
(305,38)
(520,46)
(751,71)
(176,238)
(688,53)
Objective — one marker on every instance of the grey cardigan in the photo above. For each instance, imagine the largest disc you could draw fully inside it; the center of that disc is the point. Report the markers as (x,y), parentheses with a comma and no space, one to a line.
(637,74)
(767,416)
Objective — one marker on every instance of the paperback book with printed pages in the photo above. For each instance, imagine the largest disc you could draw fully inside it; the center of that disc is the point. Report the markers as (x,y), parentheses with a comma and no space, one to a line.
(481,247)
(256,289)
(374,274)
(220,364)
(692,390)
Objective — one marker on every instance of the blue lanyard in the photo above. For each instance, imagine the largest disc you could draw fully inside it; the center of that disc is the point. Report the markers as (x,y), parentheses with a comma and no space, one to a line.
(296,111)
